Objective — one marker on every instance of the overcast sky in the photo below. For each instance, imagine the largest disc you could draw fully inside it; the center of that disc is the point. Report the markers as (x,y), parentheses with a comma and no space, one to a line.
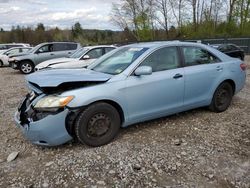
(92,14)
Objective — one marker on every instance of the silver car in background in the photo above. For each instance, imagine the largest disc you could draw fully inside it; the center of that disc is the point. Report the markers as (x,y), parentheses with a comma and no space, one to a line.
(42,52)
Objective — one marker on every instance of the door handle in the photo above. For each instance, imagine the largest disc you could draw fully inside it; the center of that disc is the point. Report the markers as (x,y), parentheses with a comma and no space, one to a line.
(178,76)
(219,68)
(52,54)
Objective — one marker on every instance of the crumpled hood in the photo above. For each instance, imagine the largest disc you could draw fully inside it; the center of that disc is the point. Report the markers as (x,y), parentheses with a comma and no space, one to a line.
(53,61)
(56,77)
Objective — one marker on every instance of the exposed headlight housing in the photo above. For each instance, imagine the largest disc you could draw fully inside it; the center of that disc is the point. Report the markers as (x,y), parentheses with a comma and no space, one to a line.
(12,59)
(53,102)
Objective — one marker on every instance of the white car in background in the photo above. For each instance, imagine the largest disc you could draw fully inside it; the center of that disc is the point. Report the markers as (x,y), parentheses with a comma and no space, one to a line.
(82,57)
(4,57)
(5,47)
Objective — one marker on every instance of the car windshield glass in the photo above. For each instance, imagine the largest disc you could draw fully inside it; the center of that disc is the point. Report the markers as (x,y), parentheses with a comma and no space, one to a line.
(35,48)
(78,53)
(119,61)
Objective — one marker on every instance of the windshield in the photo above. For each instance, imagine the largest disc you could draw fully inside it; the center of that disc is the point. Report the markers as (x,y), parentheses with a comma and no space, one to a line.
(119,61)
(35,48)
(79,53)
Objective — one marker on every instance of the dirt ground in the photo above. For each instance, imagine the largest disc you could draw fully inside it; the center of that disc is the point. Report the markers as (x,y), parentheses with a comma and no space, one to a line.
(197,148)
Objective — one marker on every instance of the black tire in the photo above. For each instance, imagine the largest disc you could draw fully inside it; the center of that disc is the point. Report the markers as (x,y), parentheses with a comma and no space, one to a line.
(26,67)
(1,63)
(222,97)
(98,124)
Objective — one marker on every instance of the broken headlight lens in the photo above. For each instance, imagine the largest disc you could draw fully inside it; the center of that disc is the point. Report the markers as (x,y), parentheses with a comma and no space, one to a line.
(53,102)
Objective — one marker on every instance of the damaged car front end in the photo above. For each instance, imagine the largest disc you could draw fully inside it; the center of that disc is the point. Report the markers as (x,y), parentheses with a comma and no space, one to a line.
(44,115)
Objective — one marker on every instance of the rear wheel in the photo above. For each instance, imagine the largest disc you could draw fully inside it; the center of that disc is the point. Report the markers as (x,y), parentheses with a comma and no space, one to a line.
(222,97)
(98,124)
(1,63)
(26,67)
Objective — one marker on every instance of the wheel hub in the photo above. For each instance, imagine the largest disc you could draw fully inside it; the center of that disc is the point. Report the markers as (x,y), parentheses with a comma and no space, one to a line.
(98,125)
(26,68)
(222,97)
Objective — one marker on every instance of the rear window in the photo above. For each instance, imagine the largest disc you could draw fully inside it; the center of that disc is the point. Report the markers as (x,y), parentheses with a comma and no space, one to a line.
(13,45)
(3,47)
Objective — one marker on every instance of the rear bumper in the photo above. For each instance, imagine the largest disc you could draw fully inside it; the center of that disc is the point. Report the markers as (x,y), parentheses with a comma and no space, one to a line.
(48,131)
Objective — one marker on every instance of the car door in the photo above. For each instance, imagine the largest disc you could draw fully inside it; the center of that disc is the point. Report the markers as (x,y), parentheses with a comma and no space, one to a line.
(202,69)
(44,53)
(160,93)
(64,49)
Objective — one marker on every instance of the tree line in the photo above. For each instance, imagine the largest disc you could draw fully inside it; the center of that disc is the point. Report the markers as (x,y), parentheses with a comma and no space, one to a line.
(183,18)
(146,20)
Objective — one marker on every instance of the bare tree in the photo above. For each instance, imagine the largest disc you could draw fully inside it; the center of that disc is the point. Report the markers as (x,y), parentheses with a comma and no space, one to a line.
(163,7)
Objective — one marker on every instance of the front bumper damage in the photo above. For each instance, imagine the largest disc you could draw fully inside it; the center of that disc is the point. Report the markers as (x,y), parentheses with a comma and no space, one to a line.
(42,128)
(13,64)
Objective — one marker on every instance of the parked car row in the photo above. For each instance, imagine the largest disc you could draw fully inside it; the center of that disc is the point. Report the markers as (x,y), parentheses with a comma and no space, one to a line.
(127,85)
(52,55)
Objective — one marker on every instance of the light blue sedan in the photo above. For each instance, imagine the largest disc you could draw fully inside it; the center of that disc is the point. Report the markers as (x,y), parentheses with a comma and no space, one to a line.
(131,84)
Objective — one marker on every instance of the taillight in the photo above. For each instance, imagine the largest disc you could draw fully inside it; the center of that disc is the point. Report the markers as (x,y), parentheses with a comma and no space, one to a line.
(243,66)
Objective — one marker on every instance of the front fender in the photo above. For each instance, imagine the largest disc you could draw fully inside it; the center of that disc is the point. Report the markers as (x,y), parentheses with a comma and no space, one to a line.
(107,91)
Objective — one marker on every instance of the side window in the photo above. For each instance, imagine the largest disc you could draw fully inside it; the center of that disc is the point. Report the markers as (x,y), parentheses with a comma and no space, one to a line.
(198,56)
(233,47)
(71,46)
(162,59)
(60,47)
(108,50)
(46,48)
(3,47)
(14,51)
(64,46)
(24,49)
(95,53)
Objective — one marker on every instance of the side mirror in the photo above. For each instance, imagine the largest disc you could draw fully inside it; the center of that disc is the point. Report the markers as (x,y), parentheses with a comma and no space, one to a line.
(143,70)
(86,57)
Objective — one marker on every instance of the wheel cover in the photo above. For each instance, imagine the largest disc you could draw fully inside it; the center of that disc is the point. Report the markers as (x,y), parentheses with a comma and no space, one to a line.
(222,97)
(98,125)
(26,68)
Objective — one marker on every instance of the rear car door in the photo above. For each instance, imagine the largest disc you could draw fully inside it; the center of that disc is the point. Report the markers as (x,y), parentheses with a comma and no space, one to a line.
(64,49)
(202,70)
(160,93)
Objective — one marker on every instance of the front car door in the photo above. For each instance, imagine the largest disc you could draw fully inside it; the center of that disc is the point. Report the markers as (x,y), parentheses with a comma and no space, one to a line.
(90,56)
(160,93)
(202,69)
(44,53)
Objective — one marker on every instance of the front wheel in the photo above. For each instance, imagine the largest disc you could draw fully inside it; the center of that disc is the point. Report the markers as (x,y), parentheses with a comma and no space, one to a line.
(222,97)
(1,63)
(26,67)
(98,124)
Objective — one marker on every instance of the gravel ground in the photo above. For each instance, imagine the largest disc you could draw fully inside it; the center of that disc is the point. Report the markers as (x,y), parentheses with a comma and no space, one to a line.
(197,148)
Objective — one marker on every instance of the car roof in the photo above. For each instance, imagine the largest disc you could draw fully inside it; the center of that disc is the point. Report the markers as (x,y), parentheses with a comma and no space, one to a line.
(57,42)
(165,43)
(100,46)
(18,48)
